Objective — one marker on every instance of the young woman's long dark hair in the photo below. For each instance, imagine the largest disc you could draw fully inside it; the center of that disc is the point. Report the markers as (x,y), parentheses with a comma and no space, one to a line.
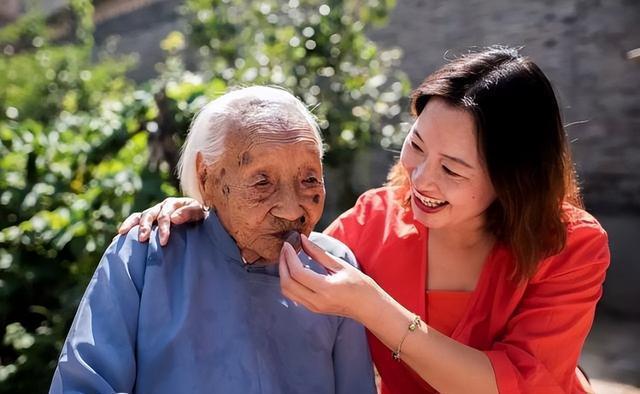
(522,142)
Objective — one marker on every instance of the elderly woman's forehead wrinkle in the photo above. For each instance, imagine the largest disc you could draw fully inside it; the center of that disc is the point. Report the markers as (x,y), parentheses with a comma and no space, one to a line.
(244,146)
(283,137)
(244,158)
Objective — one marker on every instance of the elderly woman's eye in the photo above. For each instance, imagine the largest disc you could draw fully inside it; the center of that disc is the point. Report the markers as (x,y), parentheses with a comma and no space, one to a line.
(311,180)
(262,182)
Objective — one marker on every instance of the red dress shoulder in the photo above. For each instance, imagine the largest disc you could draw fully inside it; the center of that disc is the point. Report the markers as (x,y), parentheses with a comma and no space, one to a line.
(532,332)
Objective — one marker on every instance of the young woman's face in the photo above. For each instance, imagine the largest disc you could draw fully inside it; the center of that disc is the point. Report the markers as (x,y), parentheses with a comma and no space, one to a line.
(450,186)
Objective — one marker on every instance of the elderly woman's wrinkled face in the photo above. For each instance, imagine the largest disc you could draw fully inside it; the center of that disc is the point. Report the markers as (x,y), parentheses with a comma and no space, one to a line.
(266,184)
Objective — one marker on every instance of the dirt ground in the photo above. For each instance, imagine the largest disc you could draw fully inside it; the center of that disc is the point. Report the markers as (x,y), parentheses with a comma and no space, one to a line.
(611,356)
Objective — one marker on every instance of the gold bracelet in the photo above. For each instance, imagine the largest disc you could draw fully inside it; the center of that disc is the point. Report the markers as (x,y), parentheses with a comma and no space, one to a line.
(415,323)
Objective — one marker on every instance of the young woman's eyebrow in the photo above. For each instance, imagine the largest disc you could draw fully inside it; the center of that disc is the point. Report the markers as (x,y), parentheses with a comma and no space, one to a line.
(452,158)
(459,161)
(415,132)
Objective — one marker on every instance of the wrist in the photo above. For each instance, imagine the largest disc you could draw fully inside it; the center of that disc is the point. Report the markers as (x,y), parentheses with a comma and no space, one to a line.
(368,309)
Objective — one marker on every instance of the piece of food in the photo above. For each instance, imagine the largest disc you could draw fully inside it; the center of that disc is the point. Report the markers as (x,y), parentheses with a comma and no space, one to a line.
(293,238)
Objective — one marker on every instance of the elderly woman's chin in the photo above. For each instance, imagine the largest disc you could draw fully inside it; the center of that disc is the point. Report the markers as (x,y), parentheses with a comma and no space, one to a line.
(268,249)
(264,253)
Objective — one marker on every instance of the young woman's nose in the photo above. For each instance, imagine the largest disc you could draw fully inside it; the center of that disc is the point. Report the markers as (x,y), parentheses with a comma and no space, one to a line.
(423,176)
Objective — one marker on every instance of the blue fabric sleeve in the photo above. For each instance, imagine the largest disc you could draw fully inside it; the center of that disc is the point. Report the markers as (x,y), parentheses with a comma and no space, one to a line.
(351,360)
(99,354)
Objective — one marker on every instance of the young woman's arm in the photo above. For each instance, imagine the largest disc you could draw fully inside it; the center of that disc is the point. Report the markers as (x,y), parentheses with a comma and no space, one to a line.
(538,351)
(445,364)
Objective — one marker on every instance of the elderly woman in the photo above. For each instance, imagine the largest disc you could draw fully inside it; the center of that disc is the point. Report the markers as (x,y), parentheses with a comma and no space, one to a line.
(205,313)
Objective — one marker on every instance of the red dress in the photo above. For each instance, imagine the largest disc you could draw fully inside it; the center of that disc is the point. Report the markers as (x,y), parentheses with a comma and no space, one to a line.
(532,332)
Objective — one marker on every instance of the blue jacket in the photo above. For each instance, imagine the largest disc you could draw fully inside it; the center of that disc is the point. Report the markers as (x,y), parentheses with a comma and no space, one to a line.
(191,317)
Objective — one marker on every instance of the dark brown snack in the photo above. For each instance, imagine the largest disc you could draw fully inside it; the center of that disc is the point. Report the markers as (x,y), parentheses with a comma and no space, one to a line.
(293,238)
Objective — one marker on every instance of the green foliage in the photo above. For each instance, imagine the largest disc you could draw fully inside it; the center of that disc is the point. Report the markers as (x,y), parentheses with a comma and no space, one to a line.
(315,48)
(73,163)
(81,146)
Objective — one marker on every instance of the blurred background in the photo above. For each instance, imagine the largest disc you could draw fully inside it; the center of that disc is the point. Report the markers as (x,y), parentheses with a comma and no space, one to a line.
(96,98)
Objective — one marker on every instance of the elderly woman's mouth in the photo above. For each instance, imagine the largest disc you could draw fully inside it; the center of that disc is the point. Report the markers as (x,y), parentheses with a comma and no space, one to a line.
(292,237)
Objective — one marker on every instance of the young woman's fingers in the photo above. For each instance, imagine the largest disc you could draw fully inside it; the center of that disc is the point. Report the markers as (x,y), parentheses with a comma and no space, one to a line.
(292,289)
(146,221)
(318,254)
(298,272)
(165,217)
(130,222)
(164,221)
(190,212)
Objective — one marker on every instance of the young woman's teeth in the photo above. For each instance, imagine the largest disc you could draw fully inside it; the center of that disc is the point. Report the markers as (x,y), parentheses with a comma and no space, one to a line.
(431,203)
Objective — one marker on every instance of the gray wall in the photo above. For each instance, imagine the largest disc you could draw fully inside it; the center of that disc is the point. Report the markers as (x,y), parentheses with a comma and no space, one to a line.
(581,45)
(139,32)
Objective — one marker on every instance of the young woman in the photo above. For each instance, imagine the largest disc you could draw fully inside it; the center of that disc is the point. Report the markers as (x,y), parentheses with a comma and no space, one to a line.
(480,269)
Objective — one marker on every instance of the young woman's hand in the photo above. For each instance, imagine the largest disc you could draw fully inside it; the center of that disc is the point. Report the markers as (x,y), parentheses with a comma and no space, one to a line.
(343,291)
(170,211)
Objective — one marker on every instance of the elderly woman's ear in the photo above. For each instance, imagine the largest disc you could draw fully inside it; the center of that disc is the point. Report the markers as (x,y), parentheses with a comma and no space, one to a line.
(204,172)
(201,170)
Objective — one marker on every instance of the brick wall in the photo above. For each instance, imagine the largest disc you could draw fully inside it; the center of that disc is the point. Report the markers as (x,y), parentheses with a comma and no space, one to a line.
(582,45)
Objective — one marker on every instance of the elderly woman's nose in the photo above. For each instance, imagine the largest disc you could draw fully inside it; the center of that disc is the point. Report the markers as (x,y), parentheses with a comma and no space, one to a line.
(289,206)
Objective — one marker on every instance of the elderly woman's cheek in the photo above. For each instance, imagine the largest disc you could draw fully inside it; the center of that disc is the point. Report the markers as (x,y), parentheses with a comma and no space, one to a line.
(263,199)
(314,206)
(214,190)
(316,199)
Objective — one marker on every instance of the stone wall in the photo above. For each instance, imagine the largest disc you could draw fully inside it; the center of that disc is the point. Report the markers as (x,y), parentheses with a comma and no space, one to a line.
(582,46)
(138,30)
(9,11)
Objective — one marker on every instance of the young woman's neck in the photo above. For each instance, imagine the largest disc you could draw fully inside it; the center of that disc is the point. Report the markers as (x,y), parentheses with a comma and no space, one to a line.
(468,236)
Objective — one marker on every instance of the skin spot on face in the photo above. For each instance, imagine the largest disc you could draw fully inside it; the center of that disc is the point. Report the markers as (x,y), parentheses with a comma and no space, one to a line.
(316,199)
(218,179)
(245,159)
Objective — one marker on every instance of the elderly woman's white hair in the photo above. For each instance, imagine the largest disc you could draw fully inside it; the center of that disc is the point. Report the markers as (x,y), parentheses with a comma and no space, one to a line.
(236,109)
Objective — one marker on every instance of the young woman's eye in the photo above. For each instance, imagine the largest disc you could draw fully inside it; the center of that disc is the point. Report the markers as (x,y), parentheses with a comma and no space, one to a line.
(449,172)
(415,146)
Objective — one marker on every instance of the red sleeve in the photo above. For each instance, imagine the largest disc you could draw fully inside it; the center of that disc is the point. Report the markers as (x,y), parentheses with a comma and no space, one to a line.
(539,350)
(349,226)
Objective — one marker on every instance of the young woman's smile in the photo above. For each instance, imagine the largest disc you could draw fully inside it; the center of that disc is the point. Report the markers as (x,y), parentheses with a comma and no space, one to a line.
(450,186)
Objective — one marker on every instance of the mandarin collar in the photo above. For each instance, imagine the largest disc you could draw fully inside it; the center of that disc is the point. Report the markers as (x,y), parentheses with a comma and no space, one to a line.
(223,240)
